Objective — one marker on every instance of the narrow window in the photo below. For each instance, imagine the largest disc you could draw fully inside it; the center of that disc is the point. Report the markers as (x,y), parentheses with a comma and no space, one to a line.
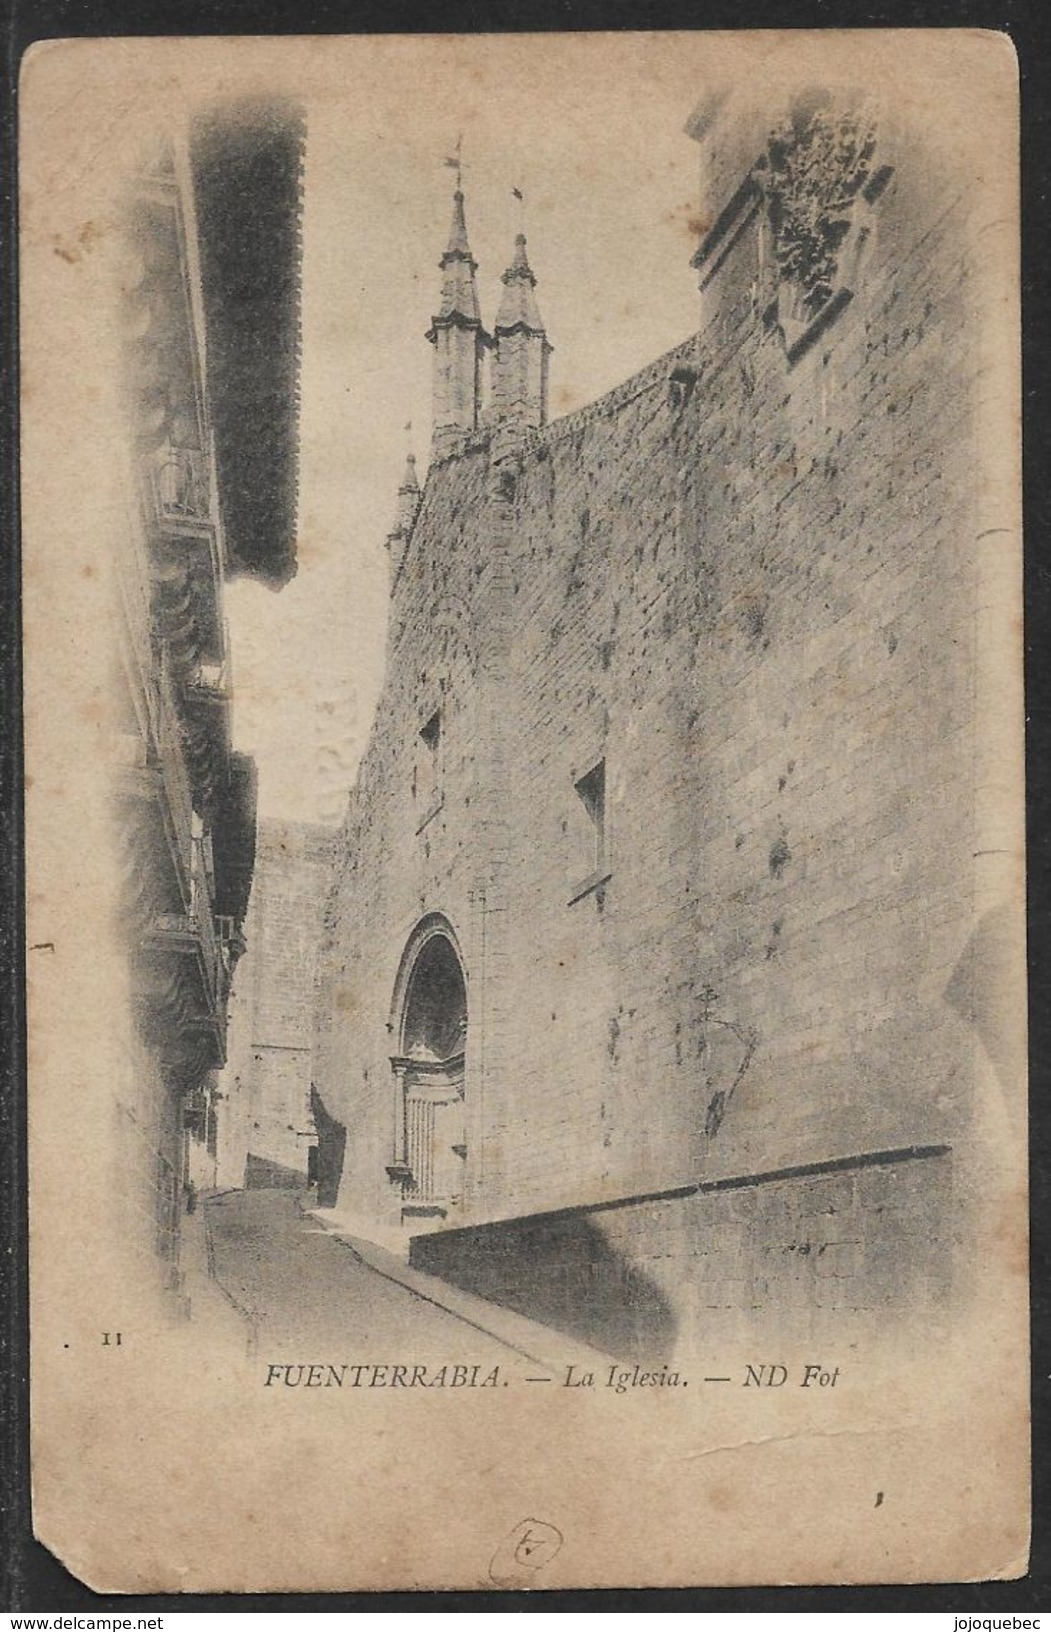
(428,768)
(681,382)
(431,735)
(591,791)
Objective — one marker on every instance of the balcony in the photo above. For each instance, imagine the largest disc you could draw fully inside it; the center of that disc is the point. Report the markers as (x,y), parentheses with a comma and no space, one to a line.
(182,489)
(168,757)
(151,779)
(185,528)
(182,935)
(209,683)
(198,1004)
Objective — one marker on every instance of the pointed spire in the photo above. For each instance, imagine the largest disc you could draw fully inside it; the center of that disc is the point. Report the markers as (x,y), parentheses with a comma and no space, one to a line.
(459,302)
(458,339)
(520,363)
(518,307)
(408,508)
(408,495)
(458,244)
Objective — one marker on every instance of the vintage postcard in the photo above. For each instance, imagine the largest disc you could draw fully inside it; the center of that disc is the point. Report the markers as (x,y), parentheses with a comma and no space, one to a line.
(524,809)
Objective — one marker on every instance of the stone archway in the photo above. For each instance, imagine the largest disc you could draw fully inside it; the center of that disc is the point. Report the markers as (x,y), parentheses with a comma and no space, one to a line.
(429,1019)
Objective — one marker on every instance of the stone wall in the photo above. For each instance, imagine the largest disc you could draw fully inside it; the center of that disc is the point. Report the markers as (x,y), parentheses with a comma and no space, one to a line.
(267,1124)
(745,582)
(811,1255)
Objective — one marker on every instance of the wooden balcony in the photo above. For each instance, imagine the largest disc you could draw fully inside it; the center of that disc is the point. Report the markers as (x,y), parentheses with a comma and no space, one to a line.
(153,785)
(179,935)
(186,539)
(170,761)
(188,945)
(183,488)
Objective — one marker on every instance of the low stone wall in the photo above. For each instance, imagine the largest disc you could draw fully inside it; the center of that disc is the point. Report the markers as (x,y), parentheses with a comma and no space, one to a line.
(804,1253)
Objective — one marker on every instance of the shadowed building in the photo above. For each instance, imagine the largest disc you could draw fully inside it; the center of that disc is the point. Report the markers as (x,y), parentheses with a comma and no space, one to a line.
(211,342)
(267,1135)
(653,894)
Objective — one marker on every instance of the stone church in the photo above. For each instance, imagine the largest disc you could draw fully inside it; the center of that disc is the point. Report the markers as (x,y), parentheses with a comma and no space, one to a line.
(646,998)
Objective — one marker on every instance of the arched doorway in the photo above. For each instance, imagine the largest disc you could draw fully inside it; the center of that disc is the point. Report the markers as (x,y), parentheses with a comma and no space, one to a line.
(429,1019)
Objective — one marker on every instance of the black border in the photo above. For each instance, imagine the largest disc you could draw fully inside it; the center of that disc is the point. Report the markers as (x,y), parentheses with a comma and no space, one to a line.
(31,1579)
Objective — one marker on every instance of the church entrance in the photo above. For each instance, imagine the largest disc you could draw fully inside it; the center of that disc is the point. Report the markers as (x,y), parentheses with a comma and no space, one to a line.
(430,1151)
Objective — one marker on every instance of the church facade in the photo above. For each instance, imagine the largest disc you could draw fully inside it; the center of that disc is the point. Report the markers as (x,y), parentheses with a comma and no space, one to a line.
(646,996)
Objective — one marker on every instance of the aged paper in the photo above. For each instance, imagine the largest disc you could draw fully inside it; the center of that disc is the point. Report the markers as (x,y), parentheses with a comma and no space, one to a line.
(524,810)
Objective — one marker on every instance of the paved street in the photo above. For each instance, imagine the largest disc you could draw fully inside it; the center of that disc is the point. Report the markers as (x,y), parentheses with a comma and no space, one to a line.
(313,1298)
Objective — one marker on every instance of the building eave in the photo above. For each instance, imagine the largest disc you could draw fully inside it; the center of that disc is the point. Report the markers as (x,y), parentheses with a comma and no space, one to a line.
(246,161)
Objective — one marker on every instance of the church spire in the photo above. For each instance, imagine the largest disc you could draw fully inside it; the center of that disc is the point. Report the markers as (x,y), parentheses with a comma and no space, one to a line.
(405,516)
(408,496)
(458,245)
(458,339)
(522,349)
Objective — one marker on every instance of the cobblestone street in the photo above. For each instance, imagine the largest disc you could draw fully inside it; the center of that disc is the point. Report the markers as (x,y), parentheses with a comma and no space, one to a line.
(310,1296)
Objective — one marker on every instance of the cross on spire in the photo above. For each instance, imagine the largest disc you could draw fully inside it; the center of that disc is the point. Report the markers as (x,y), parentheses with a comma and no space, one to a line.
(457,163)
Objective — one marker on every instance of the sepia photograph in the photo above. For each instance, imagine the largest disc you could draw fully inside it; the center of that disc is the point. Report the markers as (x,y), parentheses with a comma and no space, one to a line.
(525,832)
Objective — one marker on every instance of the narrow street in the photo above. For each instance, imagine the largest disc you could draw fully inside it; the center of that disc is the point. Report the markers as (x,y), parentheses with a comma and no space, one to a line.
(311,1297)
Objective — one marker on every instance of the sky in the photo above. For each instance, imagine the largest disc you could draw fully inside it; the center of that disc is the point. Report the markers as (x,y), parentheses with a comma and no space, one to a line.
(611,198)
